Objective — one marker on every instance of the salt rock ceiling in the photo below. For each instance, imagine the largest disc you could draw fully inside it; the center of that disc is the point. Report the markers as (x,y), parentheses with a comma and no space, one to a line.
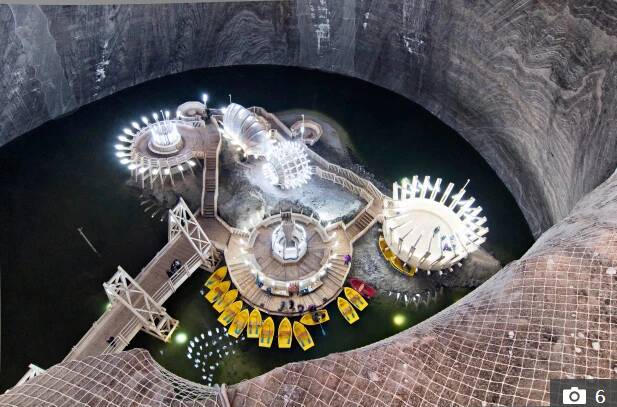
(530,84)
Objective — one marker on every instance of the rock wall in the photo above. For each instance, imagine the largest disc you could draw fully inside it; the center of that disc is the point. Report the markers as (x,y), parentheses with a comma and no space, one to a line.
(530,84)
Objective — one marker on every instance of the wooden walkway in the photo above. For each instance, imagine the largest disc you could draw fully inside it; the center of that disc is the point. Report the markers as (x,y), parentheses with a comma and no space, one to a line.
(119,323)
(256,297)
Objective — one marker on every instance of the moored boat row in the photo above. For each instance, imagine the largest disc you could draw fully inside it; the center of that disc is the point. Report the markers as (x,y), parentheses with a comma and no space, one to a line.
(225,300)
(394,261)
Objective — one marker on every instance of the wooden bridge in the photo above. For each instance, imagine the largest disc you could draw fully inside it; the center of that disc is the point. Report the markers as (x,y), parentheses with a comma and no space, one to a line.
(197,240)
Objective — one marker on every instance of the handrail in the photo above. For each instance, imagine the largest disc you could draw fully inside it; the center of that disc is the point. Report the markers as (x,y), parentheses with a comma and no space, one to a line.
(346,173)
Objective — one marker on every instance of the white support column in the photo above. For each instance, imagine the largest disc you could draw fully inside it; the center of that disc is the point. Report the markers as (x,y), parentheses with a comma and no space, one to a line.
(182,220)
(124,289)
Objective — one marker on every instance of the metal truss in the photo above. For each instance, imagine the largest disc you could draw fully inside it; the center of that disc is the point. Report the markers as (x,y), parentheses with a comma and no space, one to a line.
(182,220)
(154,319)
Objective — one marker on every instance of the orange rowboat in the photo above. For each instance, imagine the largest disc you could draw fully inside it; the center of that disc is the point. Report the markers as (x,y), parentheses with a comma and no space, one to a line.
(216,277)
(254,326)
(347,310)
(355,298)
(285,335)
(239,323)
(315,317)
(218,291)
(230,313)
(226,300)
(266,336)
(303,336)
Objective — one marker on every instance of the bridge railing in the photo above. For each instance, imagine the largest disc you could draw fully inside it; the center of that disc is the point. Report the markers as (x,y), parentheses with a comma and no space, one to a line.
(175,281)
(351,176)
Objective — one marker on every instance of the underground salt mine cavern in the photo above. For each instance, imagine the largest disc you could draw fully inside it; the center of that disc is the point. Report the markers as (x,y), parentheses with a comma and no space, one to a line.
(309,203)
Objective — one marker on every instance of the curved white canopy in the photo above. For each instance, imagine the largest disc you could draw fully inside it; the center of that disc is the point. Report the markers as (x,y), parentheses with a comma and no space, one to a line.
(431,229)
(243,128)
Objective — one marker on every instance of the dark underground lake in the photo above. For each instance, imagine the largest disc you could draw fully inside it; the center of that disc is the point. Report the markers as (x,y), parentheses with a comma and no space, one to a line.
(63,176)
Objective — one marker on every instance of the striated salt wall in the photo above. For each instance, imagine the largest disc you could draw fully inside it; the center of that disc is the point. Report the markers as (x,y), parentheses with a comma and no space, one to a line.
(530,84)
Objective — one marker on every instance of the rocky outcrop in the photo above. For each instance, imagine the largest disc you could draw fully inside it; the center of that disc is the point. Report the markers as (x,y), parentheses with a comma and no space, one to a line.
(530,84)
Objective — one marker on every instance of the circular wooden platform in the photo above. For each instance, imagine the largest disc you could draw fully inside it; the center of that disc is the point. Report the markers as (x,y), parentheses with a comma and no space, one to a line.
(264,282)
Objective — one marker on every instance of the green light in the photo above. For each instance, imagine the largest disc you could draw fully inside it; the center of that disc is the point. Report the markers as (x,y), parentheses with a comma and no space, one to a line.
(399,319)
(181,338)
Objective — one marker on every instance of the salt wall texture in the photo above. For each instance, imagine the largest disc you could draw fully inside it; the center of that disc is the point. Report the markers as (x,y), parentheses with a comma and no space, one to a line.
(530,84)
(551,314)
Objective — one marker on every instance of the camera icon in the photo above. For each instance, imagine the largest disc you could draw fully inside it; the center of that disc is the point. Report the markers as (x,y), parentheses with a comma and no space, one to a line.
(574,396)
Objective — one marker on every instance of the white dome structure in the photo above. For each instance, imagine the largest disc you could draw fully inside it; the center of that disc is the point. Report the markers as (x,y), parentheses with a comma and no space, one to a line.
(288,165)
(242,127)
(428,229)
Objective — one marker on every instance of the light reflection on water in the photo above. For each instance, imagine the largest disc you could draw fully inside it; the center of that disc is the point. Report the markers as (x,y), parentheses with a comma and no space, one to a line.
(224,359)
(64,175)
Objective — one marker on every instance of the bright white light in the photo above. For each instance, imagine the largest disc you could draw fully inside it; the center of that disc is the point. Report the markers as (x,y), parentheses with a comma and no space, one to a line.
(429,231)
(167,114)
(204,97)
(121,147)
(180,167)
(165,134)
(155,116)
(122,154)
(135,125)
(125,161)
(399,319)
(133,166)
(180,338)
(124,139)
(128,132)
(166,171)
(191,163)
(155,171)
(144,119)
(142,170)
(288,165)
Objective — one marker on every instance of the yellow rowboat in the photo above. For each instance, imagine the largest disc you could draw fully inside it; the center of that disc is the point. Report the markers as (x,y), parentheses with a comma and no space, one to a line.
(230,313)
(385,250)
(303,336)
(229,297)
(320,317)
(218,291)
(402,267)
(254,326)
(266,335)
(285,335)
(355,298)
(216,277)
(347,310)
(238,324)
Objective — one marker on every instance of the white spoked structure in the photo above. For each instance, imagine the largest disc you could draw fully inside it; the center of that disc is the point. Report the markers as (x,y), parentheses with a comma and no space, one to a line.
(288,165)
(245,129)
(431,229)
(156,150)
